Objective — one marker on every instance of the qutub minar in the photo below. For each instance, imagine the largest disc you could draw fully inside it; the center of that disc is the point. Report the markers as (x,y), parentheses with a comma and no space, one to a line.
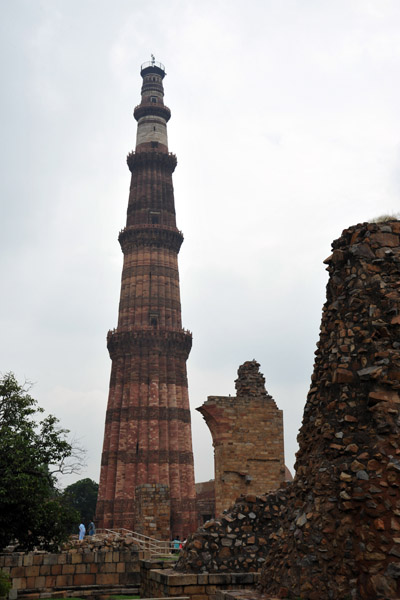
(147,441)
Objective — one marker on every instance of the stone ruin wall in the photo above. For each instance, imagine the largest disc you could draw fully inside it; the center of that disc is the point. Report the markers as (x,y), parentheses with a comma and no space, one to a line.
(95,563)
(237,541)
(205,501)
(335,531)
(247,432)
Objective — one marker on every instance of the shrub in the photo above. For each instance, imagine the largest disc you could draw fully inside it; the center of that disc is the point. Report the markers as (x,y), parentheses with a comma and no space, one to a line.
(5,584)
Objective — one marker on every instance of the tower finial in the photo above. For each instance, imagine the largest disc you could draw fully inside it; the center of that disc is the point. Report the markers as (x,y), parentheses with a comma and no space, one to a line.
(152,59)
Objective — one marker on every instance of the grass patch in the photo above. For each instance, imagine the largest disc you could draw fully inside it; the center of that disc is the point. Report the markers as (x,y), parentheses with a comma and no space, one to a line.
(385,218)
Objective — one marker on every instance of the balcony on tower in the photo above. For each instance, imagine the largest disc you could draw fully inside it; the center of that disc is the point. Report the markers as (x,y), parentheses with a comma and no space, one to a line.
(152,66)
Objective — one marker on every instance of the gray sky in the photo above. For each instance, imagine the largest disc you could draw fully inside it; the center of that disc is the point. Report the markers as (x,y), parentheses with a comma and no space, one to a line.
(286,125)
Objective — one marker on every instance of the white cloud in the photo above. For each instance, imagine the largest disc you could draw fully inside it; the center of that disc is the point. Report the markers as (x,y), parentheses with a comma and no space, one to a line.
(285,123)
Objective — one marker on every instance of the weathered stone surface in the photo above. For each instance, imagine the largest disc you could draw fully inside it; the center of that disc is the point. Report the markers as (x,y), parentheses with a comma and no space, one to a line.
(153,510)
(333,532)
(247,432)
(99,560)
(205,501)
(353,392)
(238,540)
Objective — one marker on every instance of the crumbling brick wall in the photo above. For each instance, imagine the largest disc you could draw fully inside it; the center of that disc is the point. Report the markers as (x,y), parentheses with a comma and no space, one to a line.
(238,540)
(340,536)
(205,501)
(247,432)
(336,529)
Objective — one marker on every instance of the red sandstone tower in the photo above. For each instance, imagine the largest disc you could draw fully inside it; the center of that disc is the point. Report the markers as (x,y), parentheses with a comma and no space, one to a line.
(147,436)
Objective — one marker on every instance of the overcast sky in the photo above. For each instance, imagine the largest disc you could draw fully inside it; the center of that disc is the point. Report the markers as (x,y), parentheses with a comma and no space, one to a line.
(286,126)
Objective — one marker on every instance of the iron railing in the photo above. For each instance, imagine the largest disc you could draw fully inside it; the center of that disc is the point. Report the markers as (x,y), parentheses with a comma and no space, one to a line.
(144,542)
(152,63)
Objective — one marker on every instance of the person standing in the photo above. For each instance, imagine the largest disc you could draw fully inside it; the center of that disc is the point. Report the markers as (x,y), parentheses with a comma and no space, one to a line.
(176,544)
(82,531)
(91,528)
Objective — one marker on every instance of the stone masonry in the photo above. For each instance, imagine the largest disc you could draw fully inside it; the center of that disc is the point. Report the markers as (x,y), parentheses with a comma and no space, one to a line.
(340,534)
(147,437)
(158,580)
(205,501)
(153,510)
(247,432)
(238,540)
(335,531)
(94,564)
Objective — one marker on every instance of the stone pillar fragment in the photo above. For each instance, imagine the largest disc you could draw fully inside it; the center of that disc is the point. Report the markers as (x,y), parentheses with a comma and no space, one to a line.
(247,432)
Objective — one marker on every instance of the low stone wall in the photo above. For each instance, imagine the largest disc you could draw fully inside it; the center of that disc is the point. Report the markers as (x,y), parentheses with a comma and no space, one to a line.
(164,582)
(44,572)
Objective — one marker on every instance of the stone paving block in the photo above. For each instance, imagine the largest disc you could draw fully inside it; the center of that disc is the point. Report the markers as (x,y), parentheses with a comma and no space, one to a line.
(67,569)
(84,579)
(89,557)
(56,569)
(63,580)
(19,583)
(194,589)
(50,559)
(32,571)
(17,572)
(27,560)
(76,558)
(219,578)
(50,581)
(40,582)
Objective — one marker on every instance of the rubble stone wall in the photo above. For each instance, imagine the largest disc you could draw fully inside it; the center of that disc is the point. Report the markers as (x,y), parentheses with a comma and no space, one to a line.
(247,432)
(335,531)
(340,534)
(237,541)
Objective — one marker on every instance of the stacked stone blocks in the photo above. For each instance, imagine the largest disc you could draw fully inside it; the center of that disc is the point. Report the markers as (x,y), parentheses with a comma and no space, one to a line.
(47,572)
(153,510)
(159,581)
(247,432)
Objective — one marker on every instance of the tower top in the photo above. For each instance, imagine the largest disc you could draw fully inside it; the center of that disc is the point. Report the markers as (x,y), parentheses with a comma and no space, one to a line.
(152,67)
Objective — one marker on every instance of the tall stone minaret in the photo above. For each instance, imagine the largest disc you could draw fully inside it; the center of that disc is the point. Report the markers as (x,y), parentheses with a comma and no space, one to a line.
(147,439)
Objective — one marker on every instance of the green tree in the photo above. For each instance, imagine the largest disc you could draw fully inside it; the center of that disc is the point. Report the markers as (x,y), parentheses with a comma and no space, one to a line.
(32,452)
(82,496)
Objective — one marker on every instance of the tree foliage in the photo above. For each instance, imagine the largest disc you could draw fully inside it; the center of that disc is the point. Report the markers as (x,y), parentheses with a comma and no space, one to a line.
(32,452)
(82,496)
